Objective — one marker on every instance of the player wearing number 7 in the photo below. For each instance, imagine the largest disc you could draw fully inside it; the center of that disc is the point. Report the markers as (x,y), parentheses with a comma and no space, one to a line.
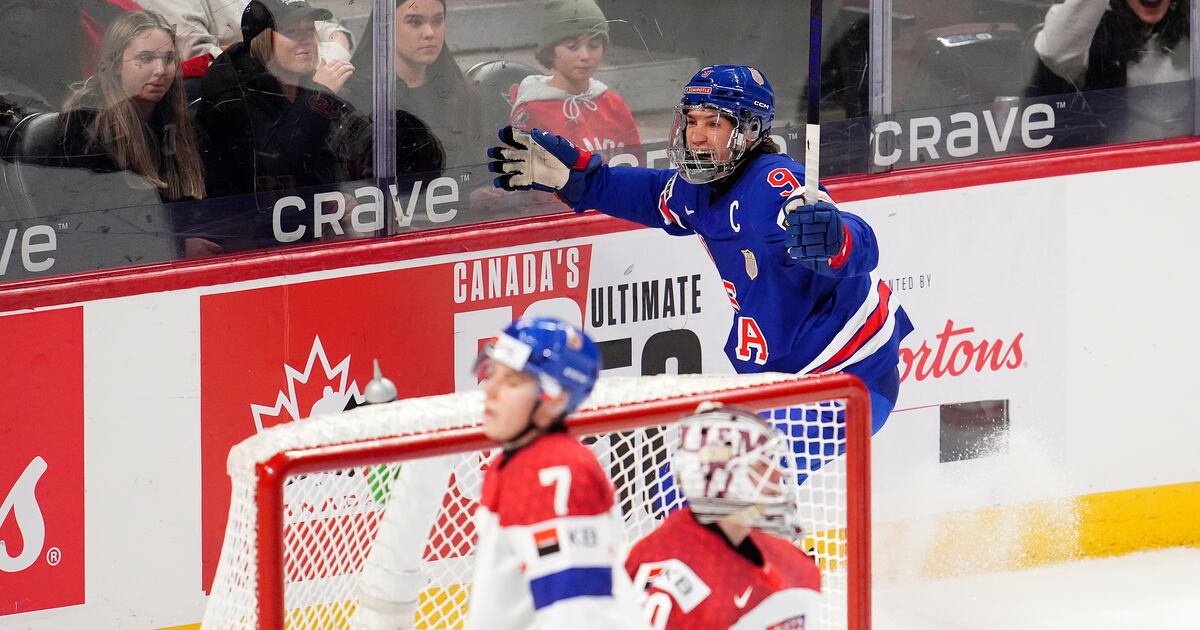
(798,271)
(547,527)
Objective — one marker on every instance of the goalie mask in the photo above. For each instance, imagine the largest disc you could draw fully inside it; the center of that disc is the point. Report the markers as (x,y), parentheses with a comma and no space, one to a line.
(732,463)
(739,94)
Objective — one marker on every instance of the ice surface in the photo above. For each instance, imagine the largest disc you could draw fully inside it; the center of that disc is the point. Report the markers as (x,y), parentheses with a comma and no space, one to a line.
(1157,590)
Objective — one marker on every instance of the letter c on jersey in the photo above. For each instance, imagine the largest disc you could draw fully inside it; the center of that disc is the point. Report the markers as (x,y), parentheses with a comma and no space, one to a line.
(751,336)
(736,226)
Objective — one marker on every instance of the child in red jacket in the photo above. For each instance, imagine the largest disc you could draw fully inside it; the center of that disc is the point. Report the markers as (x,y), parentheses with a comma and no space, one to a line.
(570,102)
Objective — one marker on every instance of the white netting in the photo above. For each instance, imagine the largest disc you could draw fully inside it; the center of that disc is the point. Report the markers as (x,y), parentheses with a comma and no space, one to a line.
(390,546)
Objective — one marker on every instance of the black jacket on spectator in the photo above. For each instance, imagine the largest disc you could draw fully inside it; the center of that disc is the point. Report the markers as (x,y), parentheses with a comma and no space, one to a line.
(256,140)
(447,106)
(95,180)
(78,177)
(75,146)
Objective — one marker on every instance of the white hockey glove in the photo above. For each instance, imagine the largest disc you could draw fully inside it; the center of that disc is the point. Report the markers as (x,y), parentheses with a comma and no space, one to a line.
(539,160)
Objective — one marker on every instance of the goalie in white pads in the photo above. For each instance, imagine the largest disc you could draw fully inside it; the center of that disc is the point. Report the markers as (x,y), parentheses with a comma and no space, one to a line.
(727,560)
(547,528)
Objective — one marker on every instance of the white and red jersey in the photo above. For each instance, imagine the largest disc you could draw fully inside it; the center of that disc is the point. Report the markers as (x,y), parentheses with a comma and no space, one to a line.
(596,120)
(693,578)
(547,539)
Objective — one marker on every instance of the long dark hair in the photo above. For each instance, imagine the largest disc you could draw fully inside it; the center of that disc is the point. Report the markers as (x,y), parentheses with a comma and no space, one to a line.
(444,74)
(1170,30)
(117,128)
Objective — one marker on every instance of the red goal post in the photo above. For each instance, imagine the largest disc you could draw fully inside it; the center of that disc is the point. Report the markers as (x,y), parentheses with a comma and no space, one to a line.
(280,566)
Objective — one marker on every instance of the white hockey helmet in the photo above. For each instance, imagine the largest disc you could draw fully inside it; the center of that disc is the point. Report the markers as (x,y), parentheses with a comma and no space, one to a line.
(732,463)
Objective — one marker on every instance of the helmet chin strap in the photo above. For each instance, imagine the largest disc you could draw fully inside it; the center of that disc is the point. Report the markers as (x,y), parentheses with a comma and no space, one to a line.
(512,444)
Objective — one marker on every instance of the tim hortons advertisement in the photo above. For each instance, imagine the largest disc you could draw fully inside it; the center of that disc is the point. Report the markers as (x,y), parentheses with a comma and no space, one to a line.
(41,461)
(981,320)
(284,353)
(983,373)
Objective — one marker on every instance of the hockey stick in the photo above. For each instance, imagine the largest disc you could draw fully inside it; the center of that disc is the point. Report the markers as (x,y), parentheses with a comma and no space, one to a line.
(812,128)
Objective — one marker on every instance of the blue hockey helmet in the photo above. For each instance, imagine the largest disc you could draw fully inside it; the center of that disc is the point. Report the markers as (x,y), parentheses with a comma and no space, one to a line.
(740,93)
(557,354)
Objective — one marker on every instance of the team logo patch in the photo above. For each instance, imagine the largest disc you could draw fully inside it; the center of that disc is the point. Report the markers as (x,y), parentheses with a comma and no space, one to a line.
(574,339)
(674,578)
(706,72)
(583,536)
(697,89)
(751,264)
(757,76)
(546,541)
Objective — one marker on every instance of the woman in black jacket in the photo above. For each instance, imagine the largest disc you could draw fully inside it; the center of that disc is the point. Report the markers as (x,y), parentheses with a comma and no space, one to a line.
(270,120)
(124,137)
(431,95)
(131,115)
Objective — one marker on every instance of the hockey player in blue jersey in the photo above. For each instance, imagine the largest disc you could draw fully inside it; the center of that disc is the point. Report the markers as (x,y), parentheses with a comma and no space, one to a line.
(798,272)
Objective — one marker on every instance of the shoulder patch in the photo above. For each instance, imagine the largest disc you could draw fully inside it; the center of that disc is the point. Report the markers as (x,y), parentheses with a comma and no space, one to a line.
(674,578)
(668,215)
(751,264)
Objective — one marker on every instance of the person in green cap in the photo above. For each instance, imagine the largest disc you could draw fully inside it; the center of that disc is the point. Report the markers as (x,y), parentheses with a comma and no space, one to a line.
(570,102)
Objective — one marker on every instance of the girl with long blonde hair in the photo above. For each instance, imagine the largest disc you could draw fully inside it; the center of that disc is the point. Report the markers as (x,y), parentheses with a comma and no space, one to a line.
(132,114)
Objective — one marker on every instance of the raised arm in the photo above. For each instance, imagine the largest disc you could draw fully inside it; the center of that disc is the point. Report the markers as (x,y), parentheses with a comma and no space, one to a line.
(539,160)
(1066,37)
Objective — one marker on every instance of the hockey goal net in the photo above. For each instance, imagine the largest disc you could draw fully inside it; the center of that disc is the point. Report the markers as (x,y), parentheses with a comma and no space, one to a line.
(364,519)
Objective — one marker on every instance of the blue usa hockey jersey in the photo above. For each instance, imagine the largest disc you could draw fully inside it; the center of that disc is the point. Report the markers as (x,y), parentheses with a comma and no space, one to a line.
(787,318)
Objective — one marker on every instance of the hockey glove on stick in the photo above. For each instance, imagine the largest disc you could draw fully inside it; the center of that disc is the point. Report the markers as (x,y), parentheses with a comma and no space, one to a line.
(540,160)
(815,232)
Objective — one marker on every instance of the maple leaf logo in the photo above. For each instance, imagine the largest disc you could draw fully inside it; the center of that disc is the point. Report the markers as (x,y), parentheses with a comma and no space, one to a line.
(333,399)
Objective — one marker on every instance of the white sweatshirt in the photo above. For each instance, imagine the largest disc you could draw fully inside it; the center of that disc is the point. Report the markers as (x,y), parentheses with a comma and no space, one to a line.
(210,26)
(1065,39)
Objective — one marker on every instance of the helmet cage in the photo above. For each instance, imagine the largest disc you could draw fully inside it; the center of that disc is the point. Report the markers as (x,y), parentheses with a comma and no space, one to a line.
(731,463)
(702,167)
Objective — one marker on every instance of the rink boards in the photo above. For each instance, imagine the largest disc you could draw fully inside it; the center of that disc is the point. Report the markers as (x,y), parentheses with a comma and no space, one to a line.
(1044,411)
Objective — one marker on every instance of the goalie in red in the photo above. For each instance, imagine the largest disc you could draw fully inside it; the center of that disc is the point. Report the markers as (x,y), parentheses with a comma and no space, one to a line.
(727,560)
(547,528)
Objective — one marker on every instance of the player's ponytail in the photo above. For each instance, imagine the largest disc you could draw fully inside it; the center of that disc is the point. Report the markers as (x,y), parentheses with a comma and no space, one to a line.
(766,145)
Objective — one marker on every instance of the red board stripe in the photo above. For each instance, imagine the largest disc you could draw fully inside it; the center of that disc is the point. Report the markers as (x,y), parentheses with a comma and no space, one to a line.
(271,263)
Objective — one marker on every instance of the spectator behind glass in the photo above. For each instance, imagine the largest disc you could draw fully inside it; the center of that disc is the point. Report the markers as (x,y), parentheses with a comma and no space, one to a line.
(570,102)
(270,123)
(1103,44)
(429,87)
(207,28)
(131,116)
